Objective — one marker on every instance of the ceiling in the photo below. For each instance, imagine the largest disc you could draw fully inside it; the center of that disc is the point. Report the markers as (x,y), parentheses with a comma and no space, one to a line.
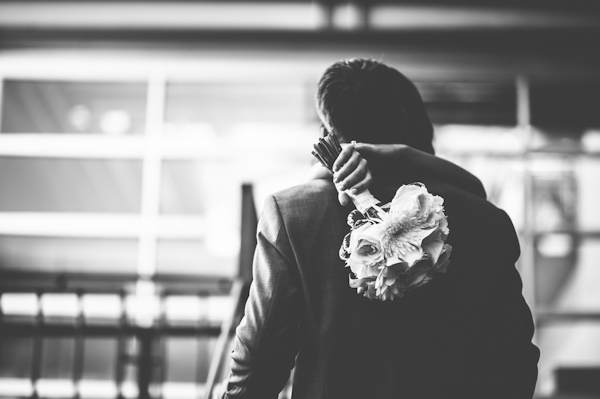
(551,29)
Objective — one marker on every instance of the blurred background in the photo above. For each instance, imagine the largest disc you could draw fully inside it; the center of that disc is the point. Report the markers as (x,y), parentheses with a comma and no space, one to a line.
(138,140)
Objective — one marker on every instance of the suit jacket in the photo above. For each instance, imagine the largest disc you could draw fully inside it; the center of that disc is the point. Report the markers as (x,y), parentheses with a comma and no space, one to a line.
(465,334)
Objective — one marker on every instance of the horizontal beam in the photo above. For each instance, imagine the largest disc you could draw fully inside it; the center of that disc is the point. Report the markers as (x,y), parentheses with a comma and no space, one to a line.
(98,225)
(103,146)
(297,15)
(159,15)
(529,28)
(566,315)
(95,283)
(12,328)
(577,45)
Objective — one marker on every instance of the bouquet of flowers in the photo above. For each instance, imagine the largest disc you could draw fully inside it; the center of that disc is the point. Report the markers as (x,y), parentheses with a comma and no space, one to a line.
(394,248)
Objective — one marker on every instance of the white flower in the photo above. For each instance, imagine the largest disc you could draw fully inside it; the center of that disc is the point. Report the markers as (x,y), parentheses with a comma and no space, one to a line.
(415,224)
(366,251)
(400,250)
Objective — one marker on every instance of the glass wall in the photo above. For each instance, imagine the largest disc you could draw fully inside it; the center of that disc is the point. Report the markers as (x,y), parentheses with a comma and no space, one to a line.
(133,178)
(141,175)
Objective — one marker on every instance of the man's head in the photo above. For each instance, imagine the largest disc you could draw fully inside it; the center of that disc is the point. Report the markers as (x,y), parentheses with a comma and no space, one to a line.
(367,101)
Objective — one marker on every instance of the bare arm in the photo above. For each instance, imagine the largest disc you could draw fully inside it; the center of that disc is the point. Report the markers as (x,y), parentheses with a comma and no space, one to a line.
(352,171)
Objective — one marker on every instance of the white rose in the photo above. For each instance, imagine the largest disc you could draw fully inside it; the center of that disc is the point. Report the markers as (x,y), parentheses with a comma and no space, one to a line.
(366,251)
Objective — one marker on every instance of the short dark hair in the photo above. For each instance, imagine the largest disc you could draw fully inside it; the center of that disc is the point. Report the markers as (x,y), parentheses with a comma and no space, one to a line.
(367,101)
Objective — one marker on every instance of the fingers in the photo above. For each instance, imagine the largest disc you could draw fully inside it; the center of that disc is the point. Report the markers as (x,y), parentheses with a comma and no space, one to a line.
(345,155)
(361,185)
(356,176)
(352,170)
(343,198)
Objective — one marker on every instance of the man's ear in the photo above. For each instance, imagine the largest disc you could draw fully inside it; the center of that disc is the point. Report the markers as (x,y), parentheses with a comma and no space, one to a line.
(324,131)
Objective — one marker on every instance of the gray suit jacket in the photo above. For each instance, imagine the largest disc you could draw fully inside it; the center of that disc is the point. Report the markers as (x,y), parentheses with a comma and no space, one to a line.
(466,334)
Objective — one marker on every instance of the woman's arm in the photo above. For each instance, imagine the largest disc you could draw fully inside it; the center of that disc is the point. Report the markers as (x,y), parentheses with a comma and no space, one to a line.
(352,172)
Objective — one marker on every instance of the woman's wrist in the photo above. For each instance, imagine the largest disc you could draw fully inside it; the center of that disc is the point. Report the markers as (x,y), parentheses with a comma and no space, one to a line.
(403,156)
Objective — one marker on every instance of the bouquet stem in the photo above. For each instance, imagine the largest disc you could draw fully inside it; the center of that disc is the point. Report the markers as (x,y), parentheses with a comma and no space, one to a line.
(364,201)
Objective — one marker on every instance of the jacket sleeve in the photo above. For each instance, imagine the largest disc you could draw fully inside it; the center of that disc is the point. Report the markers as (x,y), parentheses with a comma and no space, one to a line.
(513,358)
(267,339)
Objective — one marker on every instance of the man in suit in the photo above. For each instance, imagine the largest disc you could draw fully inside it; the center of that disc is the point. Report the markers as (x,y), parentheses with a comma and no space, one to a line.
(465,334)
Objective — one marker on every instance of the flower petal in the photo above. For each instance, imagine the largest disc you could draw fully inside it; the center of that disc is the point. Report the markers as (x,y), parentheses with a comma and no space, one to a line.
(413,256)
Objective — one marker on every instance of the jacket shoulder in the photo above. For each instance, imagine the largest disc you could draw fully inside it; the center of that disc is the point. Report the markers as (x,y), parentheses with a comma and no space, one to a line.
(309,214)
(319,190)
(307,200)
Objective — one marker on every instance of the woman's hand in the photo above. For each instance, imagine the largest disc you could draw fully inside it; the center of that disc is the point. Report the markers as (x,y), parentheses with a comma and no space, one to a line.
(401,162)
(351,172)
(358,162)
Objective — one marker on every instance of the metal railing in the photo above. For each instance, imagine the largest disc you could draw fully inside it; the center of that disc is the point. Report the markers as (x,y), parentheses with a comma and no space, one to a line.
(79,327)
(148,359)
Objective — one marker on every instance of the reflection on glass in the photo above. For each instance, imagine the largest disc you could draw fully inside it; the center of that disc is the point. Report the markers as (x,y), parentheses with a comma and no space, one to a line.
(70,185)
(73,107)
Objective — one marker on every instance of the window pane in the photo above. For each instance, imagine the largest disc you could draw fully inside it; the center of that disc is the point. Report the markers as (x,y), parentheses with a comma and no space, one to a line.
(478,103)
(54,254)
(73,107)
(188,359)
(554,195)
(100,356)
(181,359)
(567,272)
(588,189)
(212,309)
(565,104)
(57,358)
(225,105)
(16,361)
(485,150)
(70,185)
(184,187)
(216,256)
(570,358)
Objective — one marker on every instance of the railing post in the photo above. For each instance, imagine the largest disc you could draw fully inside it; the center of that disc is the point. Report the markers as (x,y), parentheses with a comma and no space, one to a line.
(145,362)
(79,344)
(38,342)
